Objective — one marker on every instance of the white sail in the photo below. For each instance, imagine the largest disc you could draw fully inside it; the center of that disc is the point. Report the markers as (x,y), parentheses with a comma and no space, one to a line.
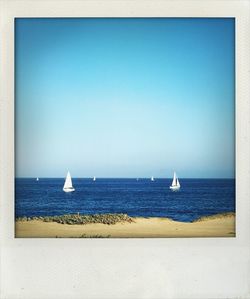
(68,184)
(178,183)
(152,179)
(94,178)
(175,183)
(37,179)
(174,180)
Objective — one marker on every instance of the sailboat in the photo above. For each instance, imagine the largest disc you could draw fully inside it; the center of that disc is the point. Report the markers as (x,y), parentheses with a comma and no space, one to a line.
(68,184)
(152,178)
(175,183)
(94,178)
(37,179)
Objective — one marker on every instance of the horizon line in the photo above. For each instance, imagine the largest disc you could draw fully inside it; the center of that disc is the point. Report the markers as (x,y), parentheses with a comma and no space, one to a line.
(91,177)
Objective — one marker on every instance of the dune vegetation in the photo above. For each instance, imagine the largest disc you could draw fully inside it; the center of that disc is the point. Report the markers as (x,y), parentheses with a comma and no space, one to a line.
(82,219)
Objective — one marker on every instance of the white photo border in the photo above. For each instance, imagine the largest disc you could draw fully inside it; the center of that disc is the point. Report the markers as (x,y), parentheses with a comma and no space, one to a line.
(173,268)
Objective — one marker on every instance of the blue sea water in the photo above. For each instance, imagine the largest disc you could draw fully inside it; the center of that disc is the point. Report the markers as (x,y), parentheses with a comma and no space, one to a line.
(196,198)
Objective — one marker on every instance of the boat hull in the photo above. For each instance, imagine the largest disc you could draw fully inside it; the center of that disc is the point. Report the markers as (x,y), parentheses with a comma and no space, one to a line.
(68,189)
(174,188)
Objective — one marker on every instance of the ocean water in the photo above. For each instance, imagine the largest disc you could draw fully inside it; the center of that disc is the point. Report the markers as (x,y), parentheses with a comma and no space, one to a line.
(196,198)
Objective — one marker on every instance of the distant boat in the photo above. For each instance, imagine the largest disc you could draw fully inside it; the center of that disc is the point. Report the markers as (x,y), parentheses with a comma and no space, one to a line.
(94,178)
(152,178)
(37,179)
(68,184)
(175,183)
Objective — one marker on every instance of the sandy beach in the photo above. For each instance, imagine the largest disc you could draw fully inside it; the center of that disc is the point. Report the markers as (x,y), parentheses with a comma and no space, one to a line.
(214,226)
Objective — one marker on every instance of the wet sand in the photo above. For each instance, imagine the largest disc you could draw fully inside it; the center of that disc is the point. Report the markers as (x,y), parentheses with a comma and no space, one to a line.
(214,226)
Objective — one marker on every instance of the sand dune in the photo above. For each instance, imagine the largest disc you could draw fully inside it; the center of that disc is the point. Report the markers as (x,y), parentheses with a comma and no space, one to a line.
(214,226)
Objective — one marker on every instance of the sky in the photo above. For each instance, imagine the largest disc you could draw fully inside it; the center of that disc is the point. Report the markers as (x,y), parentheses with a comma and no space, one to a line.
(133,97)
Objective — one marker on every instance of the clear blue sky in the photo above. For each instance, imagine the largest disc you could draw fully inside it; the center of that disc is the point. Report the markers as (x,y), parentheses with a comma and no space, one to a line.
(125,97)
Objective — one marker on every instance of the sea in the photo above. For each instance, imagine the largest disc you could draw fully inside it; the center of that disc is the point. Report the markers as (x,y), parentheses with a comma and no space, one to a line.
(143,197)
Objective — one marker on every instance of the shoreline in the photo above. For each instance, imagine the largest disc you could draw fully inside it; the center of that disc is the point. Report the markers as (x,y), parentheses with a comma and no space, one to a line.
(219,225)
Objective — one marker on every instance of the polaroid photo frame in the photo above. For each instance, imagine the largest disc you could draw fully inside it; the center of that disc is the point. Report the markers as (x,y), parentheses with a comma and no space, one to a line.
(124,268)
